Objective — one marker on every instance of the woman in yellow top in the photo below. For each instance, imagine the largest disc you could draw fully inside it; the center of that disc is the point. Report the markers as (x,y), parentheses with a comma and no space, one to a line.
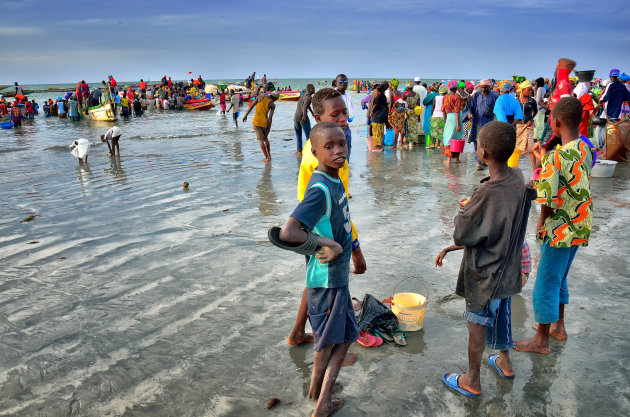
(262,120)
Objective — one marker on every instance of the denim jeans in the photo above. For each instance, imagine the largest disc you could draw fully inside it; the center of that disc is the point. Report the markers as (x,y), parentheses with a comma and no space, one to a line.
(306,126)
(551,289)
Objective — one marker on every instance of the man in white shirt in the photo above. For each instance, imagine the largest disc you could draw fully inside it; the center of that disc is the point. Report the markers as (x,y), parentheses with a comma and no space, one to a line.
(422,93)
(341,84)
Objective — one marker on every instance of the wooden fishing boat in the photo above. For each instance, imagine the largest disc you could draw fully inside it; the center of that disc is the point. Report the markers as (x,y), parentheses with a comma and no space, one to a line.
(199,104)
(290,95)
(103,112)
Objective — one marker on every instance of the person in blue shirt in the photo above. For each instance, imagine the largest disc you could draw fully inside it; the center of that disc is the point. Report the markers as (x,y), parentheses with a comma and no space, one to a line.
(481,107)
(615,95)
(506,108)
(324,214)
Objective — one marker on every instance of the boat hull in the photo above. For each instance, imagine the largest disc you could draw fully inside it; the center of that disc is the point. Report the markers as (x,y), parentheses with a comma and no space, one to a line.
(290,95)
(198,105)
(104,112)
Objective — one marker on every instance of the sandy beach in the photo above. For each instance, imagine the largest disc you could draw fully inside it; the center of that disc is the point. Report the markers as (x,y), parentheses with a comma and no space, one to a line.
(127,295)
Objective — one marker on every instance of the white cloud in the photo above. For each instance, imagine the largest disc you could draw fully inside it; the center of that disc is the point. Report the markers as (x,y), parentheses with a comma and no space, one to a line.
(19,31)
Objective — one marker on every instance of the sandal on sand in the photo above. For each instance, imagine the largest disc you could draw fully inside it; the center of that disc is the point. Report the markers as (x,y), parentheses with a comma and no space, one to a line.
(384,335)
(400,337)
(450,380)
(368,340)
(492,360)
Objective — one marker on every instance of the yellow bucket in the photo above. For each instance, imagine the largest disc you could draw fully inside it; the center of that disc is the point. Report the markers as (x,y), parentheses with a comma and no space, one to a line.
(513,161)
(409,308)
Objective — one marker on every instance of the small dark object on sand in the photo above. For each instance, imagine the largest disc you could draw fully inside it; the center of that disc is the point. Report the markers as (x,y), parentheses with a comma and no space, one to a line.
(32,242)
(28,218)
(272,403)
(226,210)
(63,258)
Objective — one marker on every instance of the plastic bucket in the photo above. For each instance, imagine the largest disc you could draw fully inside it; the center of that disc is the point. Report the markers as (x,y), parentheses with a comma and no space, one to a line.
(7,125)
(457,145)
(603,168)
(513,161)
(409,308)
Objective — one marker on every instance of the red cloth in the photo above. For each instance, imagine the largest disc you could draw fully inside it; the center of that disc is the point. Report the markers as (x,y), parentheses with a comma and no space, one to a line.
(587,108)
(563,87)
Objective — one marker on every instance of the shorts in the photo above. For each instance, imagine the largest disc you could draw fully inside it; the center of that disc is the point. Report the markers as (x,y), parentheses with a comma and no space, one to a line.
(262,133)
(497,317)
(235,115)
(331,316)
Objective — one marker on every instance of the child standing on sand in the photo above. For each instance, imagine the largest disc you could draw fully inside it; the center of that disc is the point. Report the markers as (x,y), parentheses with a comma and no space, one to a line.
(491,226)
(324,214)
(328,106)
(566,217)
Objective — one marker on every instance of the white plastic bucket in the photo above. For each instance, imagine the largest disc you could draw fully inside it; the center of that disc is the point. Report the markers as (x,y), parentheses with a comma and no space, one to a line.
(603,168)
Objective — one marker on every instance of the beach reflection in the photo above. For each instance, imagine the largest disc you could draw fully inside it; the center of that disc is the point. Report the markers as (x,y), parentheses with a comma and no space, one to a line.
(84,176)
(266,194)
(116,171)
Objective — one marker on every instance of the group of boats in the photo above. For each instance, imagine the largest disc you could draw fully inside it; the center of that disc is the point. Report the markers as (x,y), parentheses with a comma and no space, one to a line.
(107,111)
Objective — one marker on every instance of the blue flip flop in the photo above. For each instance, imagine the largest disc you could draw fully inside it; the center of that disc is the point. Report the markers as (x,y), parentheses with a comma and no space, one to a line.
(450,380)
(492,360)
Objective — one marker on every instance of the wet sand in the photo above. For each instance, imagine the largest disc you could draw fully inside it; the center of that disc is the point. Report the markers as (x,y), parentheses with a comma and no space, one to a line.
(141,299)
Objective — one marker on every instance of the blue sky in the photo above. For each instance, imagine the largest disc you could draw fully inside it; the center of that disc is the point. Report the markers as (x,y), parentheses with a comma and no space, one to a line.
(66,41)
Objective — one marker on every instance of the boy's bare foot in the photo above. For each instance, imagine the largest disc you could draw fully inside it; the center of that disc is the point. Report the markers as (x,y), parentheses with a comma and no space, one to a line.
(350,359)
(299,339)
(297,153)
(330,408)
(464,382)
(266,160)
(532,345)
(447,162)
(457,161)
(556,331)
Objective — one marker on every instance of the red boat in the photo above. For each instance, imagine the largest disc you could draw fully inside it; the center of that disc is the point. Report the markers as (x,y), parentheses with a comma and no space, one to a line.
(199,104)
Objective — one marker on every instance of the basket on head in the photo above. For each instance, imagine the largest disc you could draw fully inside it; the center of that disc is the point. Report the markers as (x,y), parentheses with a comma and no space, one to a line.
(585,76)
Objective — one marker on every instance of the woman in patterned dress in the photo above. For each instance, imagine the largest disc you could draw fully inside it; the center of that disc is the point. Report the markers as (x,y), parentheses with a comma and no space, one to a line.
(396,117)
(437,119)
(411,126)
(451,107)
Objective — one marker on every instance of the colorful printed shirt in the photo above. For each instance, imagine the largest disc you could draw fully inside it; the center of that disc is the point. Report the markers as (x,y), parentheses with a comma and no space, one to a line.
(564,185)
(325,212)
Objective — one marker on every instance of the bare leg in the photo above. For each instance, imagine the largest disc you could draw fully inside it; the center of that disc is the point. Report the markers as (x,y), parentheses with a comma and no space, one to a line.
(471,381)
(537,344)
(557,330)
(320,364)
(298,336)
(325,405)
(268,148)
(504,362)
(533,158)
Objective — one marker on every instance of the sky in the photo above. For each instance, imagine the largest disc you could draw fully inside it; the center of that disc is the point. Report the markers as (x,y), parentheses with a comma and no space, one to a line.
(66,41)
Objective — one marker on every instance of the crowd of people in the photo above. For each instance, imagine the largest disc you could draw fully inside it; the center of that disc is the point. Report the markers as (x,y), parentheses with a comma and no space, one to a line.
(457,110)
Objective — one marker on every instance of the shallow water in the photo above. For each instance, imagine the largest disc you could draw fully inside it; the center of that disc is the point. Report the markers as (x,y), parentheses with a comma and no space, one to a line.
(141,299)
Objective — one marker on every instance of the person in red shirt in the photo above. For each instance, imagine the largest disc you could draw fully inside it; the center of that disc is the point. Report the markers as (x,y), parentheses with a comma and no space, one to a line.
(169,83)
(564,88)
(143,88)
(113,83)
